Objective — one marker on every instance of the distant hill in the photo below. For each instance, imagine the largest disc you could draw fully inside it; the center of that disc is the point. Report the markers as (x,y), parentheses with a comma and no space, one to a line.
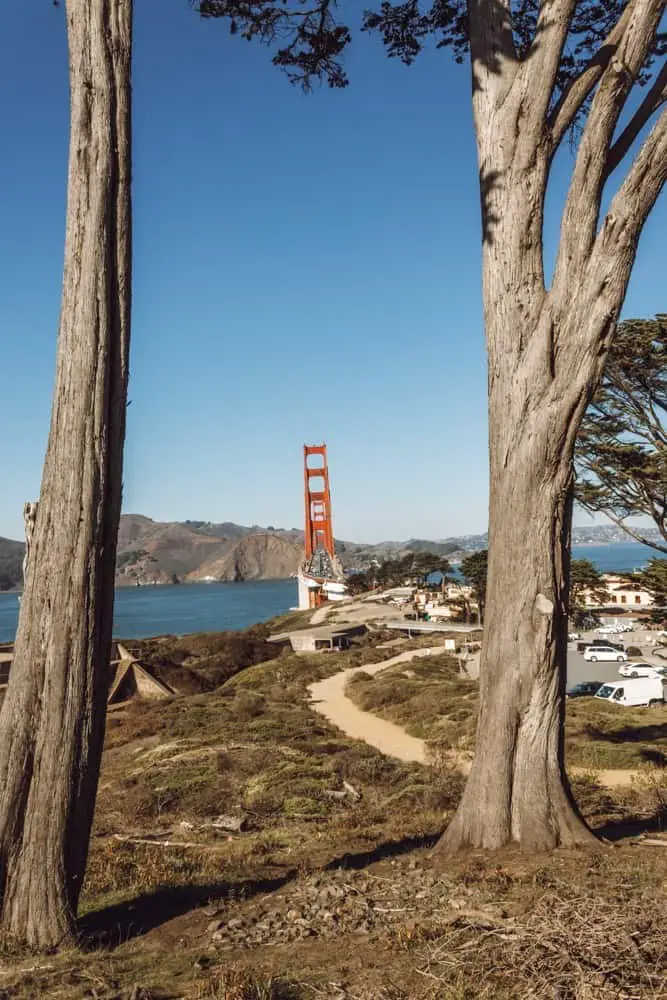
(162,552)
(153,551)
(256,557)
(158,551)
(11,563)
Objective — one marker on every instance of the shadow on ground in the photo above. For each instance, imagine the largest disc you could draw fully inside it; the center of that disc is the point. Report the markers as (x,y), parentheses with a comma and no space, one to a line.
(121,922)
(633,827)
(113,925)
(627,734)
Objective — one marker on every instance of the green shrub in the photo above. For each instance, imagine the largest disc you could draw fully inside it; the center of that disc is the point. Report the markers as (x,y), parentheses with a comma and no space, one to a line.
(248,705)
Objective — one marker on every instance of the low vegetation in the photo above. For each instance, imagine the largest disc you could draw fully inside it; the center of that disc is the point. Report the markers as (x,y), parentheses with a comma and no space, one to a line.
(430,699)
(11,563)
(599,735)
(244,849)
(251,749)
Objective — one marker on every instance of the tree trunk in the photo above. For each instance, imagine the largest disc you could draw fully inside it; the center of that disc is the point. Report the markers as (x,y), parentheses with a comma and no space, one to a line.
(52,720)
(517,789)
(546,351)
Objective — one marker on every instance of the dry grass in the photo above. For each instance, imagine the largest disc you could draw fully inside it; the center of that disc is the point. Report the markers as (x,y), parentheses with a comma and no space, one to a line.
(593,934)
(579,926)
(428,697)
(252,748)
(570,926)
(599,735)
(204,661)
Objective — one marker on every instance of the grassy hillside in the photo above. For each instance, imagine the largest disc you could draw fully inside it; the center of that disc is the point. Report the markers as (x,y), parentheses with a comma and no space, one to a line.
(244,849)
(430,700)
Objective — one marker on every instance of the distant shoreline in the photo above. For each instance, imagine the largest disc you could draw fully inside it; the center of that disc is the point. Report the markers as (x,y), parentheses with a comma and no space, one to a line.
(599,545)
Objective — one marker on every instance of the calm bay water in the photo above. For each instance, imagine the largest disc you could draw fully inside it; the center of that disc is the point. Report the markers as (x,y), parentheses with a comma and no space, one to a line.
(193,607)
(623,557)
(216,607)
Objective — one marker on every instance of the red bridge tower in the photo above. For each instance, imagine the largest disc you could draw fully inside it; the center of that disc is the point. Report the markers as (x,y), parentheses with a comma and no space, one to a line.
(319,531)
(321,575)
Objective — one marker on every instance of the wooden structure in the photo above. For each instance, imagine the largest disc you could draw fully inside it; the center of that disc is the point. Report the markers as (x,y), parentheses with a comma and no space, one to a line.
(127,677)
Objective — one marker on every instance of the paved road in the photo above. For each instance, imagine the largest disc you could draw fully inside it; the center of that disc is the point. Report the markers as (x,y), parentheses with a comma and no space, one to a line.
(578,669)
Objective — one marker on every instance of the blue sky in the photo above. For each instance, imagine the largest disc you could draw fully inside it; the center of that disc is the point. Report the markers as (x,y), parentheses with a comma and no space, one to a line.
(305,269)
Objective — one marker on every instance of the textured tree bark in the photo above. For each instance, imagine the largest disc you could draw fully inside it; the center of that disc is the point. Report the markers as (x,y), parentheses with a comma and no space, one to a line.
(53,716)
(517,789)
(546,351)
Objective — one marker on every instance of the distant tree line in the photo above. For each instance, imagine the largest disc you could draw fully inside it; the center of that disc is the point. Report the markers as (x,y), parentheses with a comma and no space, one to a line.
(621,455)
(412,568)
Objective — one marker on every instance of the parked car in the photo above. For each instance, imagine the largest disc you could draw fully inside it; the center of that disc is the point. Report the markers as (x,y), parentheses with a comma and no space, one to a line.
(606,630)
(604,653)
(638,691)
(583,646)
(585,689)
(634,669)
(573,636)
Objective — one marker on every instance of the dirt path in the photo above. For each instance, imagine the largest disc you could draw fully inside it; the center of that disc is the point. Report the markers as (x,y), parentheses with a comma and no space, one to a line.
(329,699)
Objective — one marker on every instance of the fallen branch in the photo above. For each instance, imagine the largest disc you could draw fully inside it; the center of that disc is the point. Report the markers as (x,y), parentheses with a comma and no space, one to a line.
(163,843)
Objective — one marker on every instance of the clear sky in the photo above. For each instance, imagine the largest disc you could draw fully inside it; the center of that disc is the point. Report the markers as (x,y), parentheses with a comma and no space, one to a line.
(305,269)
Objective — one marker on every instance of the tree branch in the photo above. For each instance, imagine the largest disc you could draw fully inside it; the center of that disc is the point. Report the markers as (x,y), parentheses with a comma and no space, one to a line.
(492,52)
(539,70)
(634,533)
(655,97)
(579,88)
(638,193)
(582,209)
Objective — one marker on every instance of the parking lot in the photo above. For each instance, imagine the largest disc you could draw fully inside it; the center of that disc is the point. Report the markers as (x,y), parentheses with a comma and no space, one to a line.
(579,669)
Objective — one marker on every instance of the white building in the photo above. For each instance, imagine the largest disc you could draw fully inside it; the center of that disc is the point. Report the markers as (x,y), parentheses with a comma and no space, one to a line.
(621,591)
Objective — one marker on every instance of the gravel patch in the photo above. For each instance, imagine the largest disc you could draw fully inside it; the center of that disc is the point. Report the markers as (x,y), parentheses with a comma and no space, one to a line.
(328,904)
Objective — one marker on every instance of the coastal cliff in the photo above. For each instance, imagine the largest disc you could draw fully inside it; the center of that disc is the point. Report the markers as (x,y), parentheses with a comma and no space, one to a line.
(256,557)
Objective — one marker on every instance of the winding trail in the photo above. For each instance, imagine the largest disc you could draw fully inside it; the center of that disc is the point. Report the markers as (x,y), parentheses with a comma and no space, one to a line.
(328,698)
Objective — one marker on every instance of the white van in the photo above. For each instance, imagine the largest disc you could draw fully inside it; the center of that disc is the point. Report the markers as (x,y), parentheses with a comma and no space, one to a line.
(634,691)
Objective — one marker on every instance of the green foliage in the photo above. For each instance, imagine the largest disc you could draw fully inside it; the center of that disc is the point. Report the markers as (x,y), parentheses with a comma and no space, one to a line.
(312,40)
(621,456)
(474,569)
(412,568)
(585,577)
(406,28)
(130,556)
(654,579)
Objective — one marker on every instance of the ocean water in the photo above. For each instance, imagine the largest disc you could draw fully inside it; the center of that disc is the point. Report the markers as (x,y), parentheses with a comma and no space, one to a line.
(195,607)
(213,607)
(623,557)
